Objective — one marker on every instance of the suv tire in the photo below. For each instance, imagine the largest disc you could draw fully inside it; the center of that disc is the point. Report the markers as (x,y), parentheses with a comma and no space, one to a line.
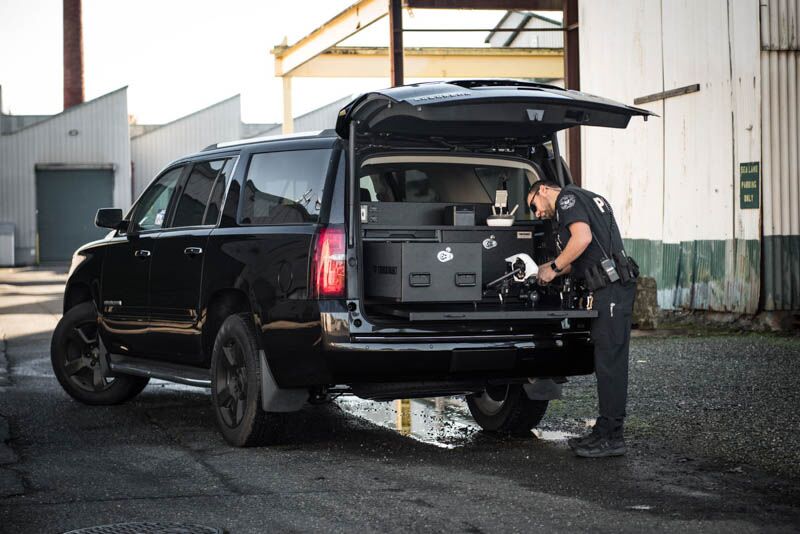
(75,356)
(236,386)
(506,409)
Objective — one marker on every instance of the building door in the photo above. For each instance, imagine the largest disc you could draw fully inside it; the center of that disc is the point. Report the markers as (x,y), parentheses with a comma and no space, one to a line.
(66,203)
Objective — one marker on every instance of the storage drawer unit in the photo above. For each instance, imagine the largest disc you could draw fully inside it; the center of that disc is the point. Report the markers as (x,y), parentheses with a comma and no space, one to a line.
(423,272)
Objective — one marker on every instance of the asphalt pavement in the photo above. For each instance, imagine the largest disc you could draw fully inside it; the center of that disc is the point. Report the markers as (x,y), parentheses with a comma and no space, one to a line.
(713,447)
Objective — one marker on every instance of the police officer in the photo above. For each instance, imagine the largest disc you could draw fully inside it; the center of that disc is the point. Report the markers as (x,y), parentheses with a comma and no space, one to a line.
(591,249)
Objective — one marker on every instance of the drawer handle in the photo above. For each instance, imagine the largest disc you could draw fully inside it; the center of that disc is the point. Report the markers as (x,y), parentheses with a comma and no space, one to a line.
(466,279)
(419,279)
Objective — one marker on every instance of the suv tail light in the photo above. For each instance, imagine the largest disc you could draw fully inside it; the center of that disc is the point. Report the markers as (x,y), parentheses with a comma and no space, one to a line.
(328,271)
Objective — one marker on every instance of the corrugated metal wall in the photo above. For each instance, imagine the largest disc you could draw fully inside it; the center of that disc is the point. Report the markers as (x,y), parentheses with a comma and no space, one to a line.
(153,150)
(780,78)
(674,181)
(11,123)
(95,132)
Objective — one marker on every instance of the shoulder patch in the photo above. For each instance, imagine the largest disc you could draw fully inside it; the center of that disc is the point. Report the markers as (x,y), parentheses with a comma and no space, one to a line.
(566,201)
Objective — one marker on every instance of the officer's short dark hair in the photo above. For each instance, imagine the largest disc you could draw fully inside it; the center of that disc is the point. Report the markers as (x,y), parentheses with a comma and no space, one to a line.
(539,183)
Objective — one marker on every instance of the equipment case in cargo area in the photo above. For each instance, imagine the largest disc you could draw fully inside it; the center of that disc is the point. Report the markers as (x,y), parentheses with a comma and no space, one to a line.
(423,272)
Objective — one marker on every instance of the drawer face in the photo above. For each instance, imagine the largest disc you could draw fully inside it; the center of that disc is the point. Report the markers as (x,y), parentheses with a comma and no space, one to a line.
(424,272)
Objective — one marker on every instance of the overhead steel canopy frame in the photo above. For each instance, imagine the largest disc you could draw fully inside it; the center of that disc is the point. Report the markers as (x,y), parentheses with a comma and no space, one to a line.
(316,55)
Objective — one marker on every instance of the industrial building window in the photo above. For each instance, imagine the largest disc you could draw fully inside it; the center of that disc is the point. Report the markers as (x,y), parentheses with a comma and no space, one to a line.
(285,187)
(195,197)
(150,212)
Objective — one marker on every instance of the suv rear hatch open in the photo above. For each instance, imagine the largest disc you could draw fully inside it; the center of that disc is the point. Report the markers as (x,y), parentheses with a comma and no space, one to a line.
(490,110)
(430,159)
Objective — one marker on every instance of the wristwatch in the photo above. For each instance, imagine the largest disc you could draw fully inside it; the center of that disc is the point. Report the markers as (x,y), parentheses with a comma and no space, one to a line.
(555,267)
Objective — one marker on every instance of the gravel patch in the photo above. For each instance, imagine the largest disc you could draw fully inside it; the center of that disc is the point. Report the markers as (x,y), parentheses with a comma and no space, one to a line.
(730,399)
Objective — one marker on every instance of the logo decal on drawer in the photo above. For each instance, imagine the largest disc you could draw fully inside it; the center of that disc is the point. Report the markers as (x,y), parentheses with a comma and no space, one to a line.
(444,255)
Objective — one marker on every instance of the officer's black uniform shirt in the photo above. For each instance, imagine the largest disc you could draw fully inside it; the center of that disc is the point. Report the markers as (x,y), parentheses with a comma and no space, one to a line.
(574,204)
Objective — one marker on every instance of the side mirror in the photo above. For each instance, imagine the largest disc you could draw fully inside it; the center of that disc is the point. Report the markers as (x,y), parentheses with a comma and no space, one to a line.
(108,218)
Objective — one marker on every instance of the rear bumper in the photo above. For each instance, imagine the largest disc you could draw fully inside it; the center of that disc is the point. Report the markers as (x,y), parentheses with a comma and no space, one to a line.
(478,351)
(379,360)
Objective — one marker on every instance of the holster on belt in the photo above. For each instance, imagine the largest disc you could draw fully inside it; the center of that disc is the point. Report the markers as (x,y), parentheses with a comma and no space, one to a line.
(626,266)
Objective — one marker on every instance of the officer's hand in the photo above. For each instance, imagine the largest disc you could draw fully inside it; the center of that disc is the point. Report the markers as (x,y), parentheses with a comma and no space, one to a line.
(546,274)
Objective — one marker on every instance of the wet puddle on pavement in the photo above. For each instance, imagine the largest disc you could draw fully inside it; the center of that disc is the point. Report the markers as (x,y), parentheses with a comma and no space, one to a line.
(444,422)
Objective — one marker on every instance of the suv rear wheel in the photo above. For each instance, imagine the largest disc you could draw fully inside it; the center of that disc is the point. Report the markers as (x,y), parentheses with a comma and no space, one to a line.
(506,409)
(236,386)
(75,356)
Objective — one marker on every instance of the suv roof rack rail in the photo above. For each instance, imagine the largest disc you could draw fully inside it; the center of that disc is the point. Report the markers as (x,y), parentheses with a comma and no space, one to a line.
(251,140)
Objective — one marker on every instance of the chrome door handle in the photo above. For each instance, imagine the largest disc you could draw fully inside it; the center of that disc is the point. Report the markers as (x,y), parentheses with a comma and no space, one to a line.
(193,251)
(142,253)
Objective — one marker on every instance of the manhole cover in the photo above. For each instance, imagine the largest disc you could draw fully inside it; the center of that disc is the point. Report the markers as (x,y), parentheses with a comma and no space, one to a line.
(148,528)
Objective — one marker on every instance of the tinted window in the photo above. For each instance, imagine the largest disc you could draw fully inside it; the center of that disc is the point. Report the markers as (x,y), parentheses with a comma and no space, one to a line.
(194,199)
(285,187)
(151,210)
(444,182)
(215,201)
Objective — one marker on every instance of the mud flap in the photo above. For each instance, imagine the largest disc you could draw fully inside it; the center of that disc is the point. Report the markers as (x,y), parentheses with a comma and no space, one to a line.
(542,389)
(275,399)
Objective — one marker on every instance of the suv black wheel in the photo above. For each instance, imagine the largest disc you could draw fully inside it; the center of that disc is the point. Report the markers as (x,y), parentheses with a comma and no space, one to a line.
(236,386)
(506,409)
(75,355)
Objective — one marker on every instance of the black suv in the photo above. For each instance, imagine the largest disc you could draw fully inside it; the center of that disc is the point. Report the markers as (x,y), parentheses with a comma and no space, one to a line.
(394,257)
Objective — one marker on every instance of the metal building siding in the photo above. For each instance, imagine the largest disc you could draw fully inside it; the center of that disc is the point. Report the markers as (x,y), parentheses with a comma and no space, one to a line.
(780,78)
(674,180)
(152,151)
(323,118)
(102,138)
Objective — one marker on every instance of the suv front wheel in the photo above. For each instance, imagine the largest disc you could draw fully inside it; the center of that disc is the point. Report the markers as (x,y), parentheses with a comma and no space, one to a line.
(75,356)
(236,386)
(506,409)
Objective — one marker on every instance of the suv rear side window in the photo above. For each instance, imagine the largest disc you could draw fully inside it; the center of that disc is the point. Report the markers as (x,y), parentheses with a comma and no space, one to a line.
(215,200)
(285,187)
(194,199)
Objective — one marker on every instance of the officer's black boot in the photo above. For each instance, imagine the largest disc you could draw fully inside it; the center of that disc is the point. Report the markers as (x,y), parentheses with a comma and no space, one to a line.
(584,439)
(607,441)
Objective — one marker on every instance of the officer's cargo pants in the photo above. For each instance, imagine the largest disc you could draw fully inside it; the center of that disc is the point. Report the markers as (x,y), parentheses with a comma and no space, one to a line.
(611,333)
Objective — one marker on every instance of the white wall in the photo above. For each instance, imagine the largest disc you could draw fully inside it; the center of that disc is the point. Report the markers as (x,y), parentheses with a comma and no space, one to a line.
(102,138)
(675,179)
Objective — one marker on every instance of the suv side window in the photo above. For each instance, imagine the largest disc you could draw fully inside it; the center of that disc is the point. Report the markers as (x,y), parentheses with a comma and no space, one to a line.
(215,200)
(151,210)
(285,187)
(196,193)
